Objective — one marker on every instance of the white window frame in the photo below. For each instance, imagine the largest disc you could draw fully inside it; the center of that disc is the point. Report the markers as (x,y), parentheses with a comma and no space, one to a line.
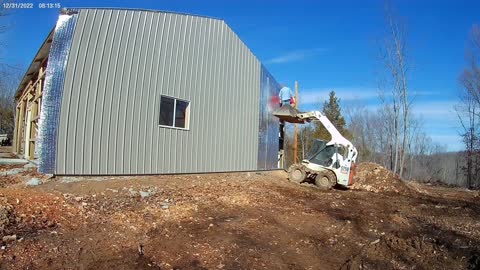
(187,113)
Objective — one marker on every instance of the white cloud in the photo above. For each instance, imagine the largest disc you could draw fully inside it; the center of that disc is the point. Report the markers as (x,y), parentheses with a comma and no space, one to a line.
(294,56)
(446,139)
(436,110)
(370,95)
(423,93)
(440,122)
(453,142)
(439,118)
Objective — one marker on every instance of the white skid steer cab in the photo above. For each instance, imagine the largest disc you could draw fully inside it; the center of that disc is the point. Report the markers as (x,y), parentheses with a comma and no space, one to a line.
(329,163)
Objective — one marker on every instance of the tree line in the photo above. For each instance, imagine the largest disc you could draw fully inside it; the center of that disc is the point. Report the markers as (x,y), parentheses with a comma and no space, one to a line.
(372,133)
(468,110)
(9,80)
(392,135)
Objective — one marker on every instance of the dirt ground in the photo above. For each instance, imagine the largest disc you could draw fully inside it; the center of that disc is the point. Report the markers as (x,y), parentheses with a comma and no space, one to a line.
(235,221)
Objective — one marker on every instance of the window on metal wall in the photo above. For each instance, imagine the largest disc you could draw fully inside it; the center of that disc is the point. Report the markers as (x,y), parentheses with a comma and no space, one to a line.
(174,112)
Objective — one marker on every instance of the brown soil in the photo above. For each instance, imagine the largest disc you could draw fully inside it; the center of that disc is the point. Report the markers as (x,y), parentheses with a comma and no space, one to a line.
(237,221)
(373,177)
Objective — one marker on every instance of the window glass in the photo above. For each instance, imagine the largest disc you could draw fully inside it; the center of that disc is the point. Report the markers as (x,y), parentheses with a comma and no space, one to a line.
(181,114)
(166,111)
(317,146)
(174,112)
(324,157)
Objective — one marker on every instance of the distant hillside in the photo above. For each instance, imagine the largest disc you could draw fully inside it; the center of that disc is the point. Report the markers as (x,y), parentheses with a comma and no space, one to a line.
(440,167)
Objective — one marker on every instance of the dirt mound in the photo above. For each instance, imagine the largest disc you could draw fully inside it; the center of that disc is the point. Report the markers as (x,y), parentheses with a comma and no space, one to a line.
(376,178)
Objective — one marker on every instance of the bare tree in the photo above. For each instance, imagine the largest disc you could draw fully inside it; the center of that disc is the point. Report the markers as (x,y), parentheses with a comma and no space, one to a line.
(467,114)
(366,130)
(470,77)
(414,143)
(396,99)
(469,108)
(306,138)
(9,79)
(389,137)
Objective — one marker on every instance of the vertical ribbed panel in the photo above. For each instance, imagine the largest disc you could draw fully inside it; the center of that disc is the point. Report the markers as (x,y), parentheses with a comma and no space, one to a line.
(268,132)
(122,61)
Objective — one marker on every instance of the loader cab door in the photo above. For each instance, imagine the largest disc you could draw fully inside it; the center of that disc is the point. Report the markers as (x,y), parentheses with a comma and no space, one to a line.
(322,153)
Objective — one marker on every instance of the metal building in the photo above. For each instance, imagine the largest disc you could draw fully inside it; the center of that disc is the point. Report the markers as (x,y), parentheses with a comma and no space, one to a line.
(145,92)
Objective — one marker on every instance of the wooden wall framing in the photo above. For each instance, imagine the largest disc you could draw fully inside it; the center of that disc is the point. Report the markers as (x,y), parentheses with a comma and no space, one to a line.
(28,115)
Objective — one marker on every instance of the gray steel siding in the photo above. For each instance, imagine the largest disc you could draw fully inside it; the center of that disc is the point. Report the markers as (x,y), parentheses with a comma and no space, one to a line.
(122,61)
(268,141)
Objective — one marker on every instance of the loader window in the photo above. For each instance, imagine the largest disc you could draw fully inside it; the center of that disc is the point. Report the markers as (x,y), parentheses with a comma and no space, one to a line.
(324,157)
(317,146)
(174,112)
(343,151)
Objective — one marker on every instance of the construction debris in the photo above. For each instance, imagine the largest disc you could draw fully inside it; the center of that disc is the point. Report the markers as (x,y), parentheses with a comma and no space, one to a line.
(9,238)
(145,194)
(34,182)
(14,171)
(29,166)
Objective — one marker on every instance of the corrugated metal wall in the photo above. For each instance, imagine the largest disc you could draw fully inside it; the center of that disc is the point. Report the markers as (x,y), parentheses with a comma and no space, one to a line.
(268,135)
(121,61)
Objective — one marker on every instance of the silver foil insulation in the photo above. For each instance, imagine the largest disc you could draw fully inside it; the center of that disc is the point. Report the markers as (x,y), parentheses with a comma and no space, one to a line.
(53,90)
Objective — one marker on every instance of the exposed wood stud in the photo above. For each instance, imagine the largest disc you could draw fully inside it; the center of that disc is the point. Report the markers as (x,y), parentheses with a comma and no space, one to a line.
(29,102)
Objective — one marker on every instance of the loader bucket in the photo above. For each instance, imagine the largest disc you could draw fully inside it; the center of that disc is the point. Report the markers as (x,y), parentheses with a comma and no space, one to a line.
(288,114)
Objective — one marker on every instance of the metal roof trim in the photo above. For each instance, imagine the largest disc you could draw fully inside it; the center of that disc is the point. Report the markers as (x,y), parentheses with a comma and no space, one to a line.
(35,62)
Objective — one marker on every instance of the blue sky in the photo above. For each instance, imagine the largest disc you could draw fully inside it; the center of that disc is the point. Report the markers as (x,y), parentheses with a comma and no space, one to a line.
(325,45)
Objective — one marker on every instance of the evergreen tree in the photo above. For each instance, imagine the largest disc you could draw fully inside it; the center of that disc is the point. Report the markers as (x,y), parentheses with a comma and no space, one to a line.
(331,109)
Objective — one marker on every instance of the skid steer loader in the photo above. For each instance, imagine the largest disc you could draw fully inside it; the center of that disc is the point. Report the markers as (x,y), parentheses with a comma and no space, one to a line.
(329,163)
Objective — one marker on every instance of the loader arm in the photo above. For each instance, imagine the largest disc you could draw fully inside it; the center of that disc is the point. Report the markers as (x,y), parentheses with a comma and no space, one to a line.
(337,138)
(291,115)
